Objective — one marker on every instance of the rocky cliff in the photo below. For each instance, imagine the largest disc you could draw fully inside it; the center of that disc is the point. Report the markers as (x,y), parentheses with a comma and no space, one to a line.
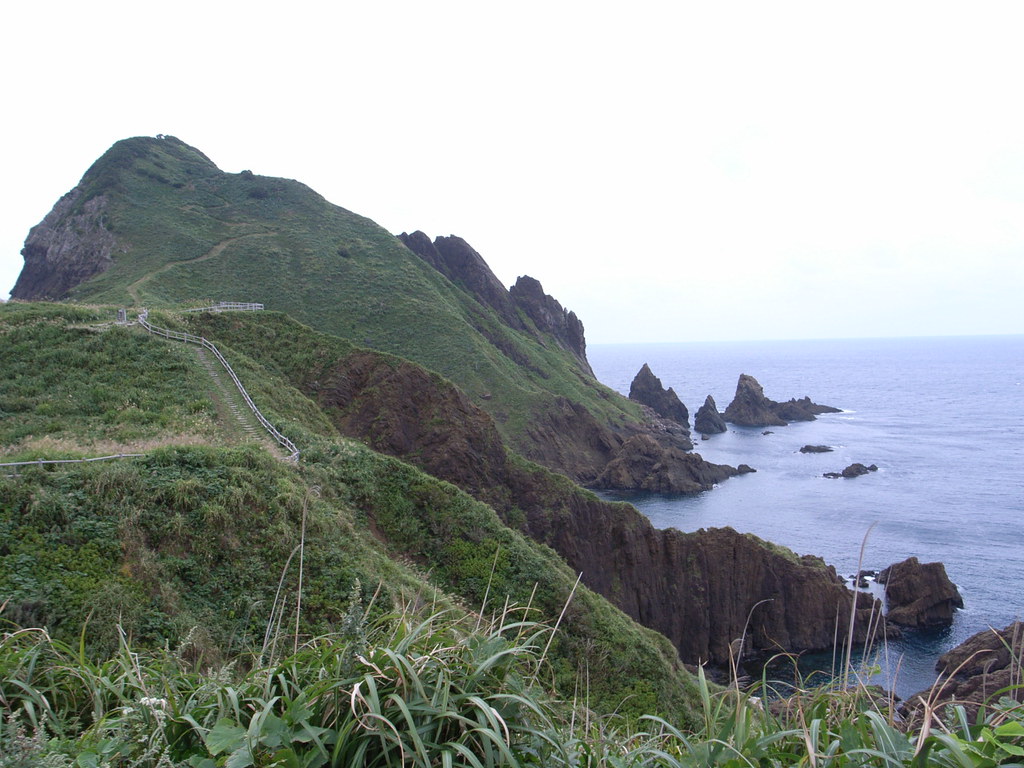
(697,588)
(750,407)
(971,675)
(69,246)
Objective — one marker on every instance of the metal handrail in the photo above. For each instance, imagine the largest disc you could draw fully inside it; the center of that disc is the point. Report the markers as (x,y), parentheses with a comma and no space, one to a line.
(202,341)
(229,306)
(69,461)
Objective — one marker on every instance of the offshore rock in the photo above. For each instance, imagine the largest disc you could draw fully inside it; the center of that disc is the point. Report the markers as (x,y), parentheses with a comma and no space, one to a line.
(919,594)
(816,449)
(971,673)
(854,470)
(647,389)
(751,408)
(69,246)
(708,421)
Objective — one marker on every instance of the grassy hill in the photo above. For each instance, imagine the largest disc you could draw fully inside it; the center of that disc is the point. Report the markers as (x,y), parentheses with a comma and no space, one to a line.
(187,232)
(195,537)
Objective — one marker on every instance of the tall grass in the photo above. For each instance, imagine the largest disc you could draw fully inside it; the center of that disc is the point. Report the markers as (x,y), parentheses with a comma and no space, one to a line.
(429,691)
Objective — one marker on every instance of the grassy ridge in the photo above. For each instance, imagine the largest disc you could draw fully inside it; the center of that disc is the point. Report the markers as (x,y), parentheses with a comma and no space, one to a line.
(192,232)
(199,535)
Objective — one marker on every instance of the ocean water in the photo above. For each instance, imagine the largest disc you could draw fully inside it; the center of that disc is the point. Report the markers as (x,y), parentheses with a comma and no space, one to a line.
(943,418)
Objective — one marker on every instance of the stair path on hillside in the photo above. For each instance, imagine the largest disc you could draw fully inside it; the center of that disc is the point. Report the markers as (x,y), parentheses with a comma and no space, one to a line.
(287,444)
(231,397)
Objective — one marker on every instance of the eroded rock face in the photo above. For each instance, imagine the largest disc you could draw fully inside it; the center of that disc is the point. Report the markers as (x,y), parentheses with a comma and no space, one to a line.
(919,594)
(69,246)
(696,588)
(708,421)
(751,408)
(647,389)
(971,673)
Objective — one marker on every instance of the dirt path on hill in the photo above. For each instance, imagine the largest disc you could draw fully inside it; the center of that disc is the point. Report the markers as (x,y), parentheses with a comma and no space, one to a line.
(217,250)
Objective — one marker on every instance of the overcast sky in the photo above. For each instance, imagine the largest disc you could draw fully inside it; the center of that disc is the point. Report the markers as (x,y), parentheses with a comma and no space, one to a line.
(672,171)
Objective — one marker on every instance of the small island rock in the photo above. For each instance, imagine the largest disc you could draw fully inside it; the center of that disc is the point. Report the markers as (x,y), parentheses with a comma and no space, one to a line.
(919,594)
(708,421)
(854,470)
(750,407)
(816,449)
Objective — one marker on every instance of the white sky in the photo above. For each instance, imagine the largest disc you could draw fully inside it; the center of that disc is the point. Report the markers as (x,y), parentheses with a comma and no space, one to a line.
(671,171)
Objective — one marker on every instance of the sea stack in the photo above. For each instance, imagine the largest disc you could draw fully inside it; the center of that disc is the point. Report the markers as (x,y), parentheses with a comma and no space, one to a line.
(707,420)
(647,389)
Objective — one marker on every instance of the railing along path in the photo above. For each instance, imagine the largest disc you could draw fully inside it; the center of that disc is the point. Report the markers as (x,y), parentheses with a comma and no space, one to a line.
(203,342)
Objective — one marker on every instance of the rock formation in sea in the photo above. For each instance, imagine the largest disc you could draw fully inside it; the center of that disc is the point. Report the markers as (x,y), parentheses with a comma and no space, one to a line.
(642,463)
(707,420)
(854,470)
(647,389)
(751,408)
(816,449)
(919,594)
(971,674)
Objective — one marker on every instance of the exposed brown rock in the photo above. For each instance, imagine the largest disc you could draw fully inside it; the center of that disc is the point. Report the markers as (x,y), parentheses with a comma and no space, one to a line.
(971,674)
(919,594)
(708,421)
(750,407)
(696,588)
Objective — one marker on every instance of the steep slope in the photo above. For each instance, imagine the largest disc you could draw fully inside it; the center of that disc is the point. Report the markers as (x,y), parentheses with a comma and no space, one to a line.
(698,589)
(154,222)
(192,540)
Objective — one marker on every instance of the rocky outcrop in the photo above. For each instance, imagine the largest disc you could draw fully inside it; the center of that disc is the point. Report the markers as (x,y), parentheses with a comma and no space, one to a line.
(971,674)
(707,420)
(454,258)
(641,463)
(549,317)
(816,449)
(751,408)
(919,594)
(647,389)
(69,246)
(854,470)
(459,262)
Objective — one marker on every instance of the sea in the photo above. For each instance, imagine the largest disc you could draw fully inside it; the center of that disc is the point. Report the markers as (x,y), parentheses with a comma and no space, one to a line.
(942,418)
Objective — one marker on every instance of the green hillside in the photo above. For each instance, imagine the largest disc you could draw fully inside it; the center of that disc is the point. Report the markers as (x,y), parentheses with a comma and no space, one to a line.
(194,537)
(188,232)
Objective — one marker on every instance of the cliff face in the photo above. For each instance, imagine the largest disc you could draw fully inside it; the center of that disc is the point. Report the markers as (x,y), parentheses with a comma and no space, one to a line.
(549,317)
(698,589)
(69,246)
